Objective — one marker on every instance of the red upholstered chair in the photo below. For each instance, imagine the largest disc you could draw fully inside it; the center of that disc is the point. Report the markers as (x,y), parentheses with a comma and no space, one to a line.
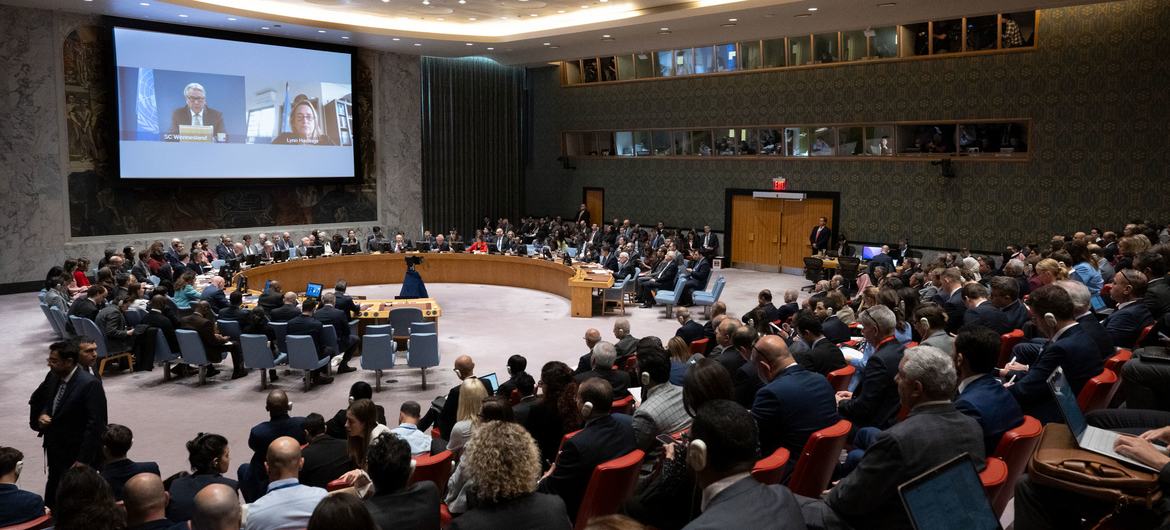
(624,406)
(1118,360)
(818,459)
(514,397)
(444,515)
(611,484)
(1015,449)
(911,344)
(1096,393)
(993,477)
(436,468)
(1007,341)
(699,346)
(839,379)
(1145,333)
(769,470)
(564,439)
(43,521)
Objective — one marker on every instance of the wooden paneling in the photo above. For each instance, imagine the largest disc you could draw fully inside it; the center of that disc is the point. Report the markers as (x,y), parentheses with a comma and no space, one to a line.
(768,234)
(595,204)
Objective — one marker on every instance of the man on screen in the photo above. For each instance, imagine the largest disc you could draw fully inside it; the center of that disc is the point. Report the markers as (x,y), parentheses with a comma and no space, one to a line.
(305,124)
(196,112)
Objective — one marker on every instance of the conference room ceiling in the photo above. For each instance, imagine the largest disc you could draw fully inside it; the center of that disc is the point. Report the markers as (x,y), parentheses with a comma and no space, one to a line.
(529,32)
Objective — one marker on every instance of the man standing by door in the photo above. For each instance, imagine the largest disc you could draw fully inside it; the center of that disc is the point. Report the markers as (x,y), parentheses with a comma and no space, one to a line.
(820,236)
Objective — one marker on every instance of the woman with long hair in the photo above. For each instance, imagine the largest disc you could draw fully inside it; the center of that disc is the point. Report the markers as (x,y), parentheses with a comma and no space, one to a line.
(306,126)
(341,511)
(680,355)
(80,273)
(185,293)
(471,396)
(556,412)
(1048,271)
(1084,270)
(361,428)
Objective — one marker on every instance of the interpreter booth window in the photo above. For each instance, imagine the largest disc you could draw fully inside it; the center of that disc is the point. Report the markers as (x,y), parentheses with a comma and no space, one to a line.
(604,142)
(682,143)
(624,141)
(625,67)
(751,57)
(664,63)
(946,36)
(825,48)
(572,144)
(852,141)
(926,139)
(1018,29)
(589,66)
(981,33)
(799,50)
(774,53)
(663,144)
(701,143)
(824,141)
(797,141)
(608,69)
(745,143)
(572,72)
(704,59)
(684,62)
(770,141)
(644,65)
(914,39)
(885,42)
(993,138)
(854,46)
(643,141)
(734,142)
(879,140)
(726,58)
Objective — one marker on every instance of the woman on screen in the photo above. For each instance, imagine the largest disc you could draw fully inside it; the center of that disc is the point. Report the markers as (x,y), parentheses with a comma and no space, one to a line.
(305,124)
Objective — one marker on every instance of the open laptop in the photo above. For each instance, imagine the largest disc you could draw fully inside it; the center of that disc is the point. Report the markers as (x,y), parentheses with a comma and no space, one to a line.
(491,382)
(1089,438)
(313,291)
(948,496)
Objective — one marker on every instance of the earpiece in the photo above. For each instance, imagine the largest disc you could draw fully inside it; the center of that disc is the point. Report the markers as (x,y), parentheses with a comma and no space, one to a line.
(19,467)
(413,464)
(1050,319)
(586,409)
(697,455)
(645,378)
(925,323)
(351,400)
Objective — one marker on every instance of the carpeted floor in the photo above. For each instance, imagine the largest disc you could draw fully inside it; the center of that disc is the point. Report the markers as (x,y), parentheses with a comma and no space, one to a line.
(486,322)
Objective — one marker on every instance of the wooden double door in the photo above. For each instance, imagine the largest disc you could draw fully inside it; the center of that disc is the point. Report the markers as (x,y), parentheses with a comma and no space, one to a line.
(772,234)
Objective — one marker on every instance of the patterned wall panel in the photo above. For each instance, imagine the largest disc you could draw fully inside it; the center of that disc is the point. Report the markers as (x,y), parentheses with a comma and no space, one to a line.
(1096,90)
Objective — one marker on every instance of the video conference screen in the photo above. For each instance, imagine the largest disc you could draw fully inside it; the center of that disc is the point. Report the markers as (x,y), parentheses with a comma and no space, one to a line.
(198,108)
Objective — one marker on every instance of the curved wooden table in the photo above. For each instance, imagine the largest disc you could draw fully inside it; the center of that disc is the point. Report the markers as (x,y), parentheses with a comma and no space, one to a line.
(375,269)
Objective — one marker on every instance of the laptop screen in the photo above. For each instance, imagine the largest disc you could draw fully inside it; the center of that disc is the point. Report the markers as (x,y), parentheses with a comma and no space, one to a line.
(948,496)
(870,252)
(1067,400)
(491,382)
(313,290)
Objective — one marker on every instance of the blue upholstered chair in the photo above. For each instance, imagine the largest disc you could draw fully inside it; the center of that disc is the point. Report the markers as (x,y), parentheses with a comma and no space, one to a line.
(258,356)
(85,326)
(377,354)
(193,353)
(708,298)
(302,355)
(671,298)
(229,328)
(423,352)
(57,332)
(163,354)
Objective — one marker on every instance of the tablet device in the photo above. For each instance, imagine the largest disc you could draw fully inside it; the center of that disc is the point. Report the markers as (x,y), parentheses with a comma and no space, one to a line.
(491,382)
(313,290)
(948,496)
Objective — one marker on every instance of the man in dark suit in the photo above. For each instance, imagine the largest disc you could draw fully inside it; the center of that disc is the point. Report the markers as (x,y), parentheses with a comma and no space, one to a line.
(834,329)
(585,362)
(305,324)
(1005,295)
(252,475)
(604,355)
(87,306)
(625,268)
(822,355)
(709,241)
(602,439)
(1157,298)
(790,307)
(933,433)
(344,301)
(225,250)
(875,401)
(626,343)
(501,243)
(697,281)
(68,410)
(1124,325)
(271,298)
(396,503)
(111,320)
(607,259)
(951,293)
(234,311)
(734,357)
(196,112)
(689,330)
(214,296)
(820,236)
(116,443)
(764,304)
(794,404)
(663,277)
(328,314)
(981,312)
(730,438)
(883,259)
(325,456)
(287,311)
(157,318)
(1070,348)
(981,395)
(582,215)
(16,505)
(214,343)
(518,379)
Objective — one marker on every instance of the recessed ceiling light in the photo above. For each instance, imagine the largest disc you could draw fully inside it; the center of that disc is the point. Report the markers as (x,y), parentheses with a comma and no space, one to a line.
(462,1)
(663,29)
(417,44)
(144,4)
(182,15)
(395,39)
(231,19)
(561,11)
(584,7)
(385,1)
(534,15)
(812,9)
(344,37)
(320,31)
(426,2)
(548,44)
(472,18)
(733,20)
(490,48)
(727,25)
(264,27)
(469,44)
(605,36)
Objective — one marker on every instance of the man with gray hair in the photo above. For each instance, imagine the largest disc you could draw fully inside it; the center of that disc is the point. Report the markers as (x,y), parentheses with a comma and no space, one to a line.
(1028,352)
(875,401)
(933,433)
(689,330)
(602,361)
(663,277)
(197,113)
(626,343)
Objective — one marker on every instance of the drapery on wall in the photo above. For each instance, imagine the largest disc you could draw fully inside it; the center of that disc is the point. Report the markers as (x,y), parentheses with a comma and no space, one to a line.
(472,146)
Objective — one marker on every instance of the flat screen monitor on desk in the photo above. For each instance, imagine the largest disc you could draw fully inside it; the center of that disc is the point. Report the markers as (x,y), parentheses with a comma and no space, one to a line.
(315,251)
(457,246)
(252,260)
(313,290)
(870,252)
(280,255)
(350,248)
